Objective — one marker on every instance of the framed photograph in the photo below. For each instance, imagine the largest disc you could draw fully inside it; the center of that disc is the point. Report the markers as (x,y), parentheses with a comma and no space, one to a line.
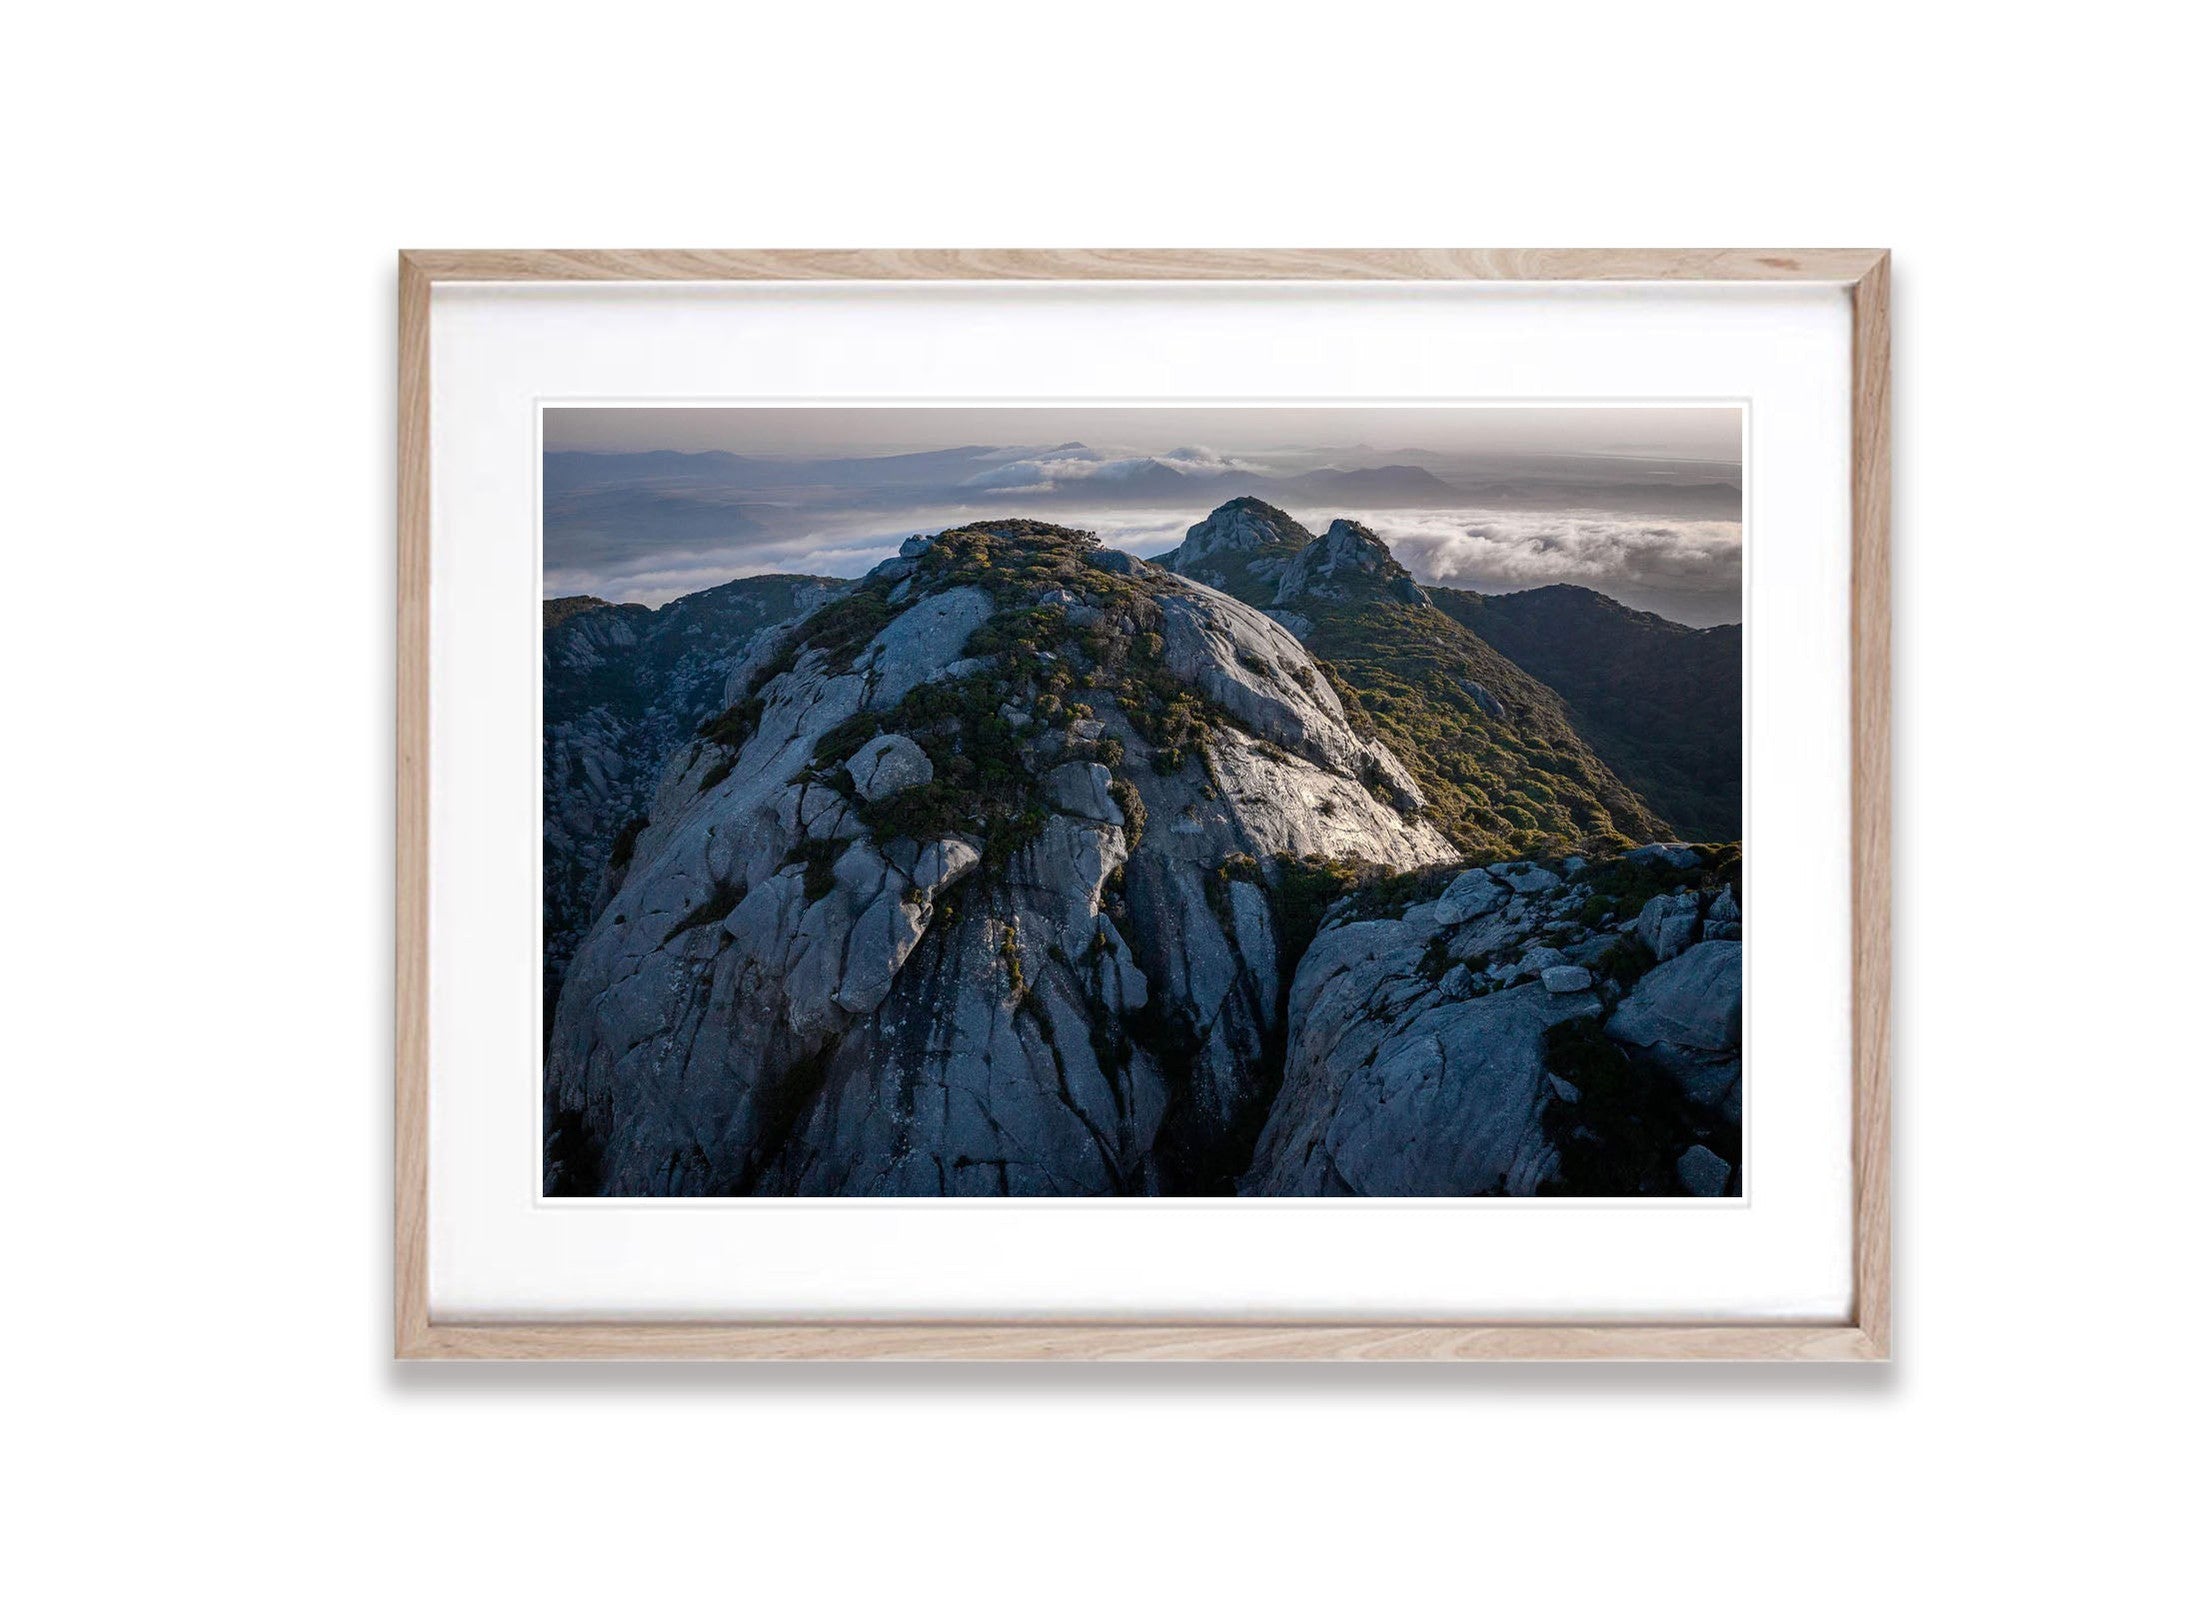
(1143,804)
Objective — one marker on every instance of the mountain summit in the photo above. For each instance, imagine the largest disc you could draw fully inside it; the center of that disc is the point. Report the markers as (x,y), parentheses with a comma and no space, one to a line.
(1347,562)
(1493,749)
(1243,538)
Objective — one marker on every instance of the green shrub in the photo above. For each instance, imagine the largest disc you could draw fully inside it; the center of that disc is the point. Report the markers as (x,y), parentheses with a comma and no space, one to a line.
(816,857)
(843,741)
(1132,805)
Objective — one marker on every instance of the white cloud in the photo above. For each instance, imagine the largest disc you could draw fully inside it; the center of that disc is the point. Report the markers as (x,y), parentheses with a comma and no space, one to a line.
(1042,471)
(1475,549)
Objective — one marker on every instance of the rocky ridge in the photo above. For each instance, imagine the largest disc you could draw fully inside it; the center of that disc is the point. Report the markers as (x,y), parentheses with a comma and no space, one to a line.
(1018,975)
(1514,1031)
(1493,751)
(622,688)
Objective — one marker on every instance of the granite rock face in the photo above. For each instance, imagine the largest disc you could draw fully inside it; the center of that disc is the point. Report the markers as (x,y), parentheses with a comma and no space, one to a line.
(1349,558)
(1255,669)
(779,998)
(1394,1087)
(1428,1049)
(623,688)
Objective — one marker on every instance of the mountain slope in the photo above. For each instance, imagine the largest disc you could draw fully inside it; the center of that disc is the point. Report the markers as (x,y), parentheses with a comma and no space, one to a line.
(1660,702)
(978,884)
(623,686)
(1502,765)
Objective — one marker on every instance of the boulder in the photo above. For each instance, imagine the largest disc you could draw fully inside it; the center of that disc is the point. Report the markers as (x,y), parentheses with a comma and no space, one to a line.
(1526,877)
(877,946)
(1677,856)
(1667,924)
(1472,893)
(1120,562)
(1686,1016)
(1080,788)
(1489,705)
(888,764)
(1703,1173)
(1568,979)
(944,862)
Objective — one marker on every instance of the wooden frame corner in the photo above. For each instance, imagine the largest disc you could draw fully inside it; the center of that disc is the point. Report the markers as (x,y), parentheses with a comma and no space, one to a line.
(1866,1335)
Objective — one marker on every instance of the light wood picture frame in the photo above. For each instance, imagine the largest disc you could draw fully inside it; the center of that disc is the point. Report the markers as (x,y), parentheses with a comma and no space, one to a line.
(1862,1335)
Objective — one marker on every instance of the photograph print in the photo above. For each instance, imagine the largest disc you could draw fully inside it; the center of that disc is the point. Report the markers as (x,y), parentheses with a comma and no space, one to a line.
(1110,802)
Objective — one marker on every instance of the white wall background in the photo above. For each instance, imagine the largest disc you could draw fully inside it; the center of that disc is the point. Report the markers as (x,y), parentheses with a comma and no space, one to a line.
(198,508)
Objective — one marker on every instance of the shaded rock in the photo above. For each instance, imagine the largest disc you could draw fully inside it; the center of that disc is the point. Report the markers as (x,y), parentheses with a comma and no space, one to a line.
(943,863)
(1703,1173)
(1692,1002)
(876,947)
(1568,979)
(1446,1102)
(1686,1016)
(1677,856)
(1667,924)
(1487,703)
(1081,789)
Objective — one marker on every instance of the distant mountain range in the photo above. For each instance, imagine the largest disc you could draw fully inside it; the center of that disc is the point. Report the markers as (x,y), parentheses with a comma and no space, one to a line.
(1073,473)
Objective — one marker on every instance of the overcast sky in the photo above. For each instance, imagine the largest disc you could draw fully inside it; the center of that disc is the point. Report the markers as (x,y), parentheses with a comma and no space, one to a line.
(1698,433)
(1640,502)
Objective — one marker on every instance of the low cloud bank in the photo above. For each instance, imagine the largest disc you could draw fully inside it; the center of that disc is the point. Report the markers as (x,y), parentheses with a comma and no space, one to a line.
(1688,570)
